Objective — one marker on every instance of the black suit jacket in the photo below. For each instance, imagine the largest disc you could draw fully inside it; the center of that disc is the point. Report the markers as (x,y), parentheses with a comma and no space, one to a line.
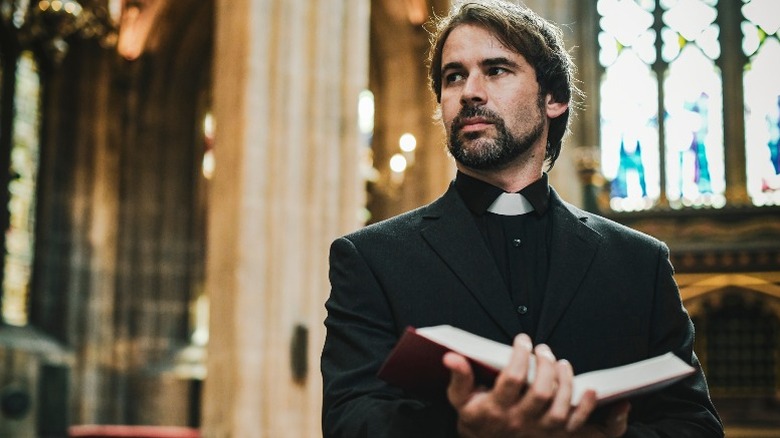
(611,299)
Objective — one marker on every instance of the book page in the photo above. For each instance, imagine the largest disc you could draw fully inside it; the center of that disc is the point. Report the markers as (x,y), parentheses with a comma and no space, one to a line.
(483,350)
(648,373)
(468,344)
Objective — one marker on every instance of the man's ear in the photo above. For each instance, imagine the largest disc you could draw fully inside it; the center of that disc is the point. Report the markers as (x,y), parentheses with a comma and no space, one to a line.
(553,108)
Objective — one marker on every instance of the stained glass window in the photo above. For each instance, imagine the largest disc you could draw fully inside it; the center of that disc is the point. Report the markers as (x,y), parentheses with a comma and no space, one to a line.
(677,149)
(629,104)
(762,100)
(693,101)
(21,206)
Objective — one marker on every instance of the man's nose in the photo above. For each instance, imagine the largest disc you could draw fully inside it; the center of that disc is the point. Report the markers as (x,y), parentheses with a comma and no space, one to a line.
(473,91)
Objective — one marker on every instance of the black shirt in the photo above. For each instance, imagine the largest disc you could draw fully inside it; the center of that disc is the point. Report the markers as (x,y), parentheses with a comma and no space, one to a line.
(519,244)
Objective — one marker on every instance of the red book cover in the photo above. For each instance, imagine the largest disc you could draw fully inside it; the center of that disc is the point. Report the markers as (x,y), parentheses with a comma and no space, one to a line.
(415,364)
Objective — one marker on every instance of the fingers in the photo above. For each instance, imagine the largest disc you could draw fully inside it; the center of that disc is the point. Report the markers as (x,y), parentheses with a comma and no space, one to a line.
(558,412)
(542,403)
(514,376)
(545,384)
(461,379)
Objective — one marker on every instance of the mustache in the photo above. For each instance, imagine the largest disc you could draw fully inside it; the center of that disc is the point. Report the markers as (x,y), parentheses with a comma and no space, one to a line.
(468,112)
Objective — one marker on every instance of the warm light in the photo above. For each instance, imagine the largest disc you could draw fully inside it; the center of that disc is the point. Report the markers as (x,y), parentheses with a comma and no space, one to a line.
(407,142)
(200,336)
(69,6)
(115,10)
(416,11)
(208,126)
(366,112)
(398,163)
(72,8)
(135,25)
(208,164)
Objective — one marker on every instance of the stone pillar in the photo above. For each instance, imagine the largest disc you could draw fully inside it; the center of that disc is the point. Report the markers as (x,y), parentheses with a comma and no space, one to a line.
(405,104)
(118,254)
(732,64)
(286,182)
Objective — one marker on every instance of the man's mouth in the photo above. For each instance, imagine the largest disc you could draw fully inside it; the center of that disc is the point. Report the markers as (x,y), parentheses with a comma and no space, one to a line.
(474,124)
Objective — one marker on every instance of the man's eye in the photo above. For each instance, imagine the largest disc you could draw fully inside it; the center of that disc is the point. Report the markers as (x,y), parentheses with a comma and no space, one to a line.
(493,71)
(453,77)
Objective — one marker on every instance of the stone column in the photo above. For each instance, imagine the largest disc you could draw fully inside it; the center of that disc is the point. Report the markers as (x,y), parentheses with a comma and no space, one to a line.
(405,104)
(286,182)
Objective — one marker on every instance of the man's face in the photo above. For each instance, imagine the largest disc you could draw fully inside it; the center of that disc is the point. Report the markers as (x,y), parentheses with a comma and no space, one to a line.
(490,102)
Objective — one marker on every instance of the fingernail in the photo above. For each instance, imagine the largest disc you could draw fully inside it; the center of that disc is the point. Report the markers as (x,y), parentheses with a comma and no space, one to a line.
(524,342)
(543,349)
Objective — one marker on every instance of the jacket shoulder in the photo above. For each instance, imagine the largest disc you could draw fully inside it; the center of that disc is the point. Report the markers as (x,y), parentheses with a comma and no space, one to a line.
(612,229)
(411,221)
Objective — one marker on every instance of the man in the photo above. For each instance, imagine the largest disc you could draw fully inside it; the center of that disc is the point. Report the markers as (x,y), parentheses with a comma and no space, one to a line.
(530,270)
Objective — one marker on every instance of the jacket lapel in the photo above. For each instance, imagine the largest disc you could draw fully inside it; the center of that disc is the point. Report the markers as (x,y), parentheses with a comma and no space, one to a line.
(572,250)
(454,236)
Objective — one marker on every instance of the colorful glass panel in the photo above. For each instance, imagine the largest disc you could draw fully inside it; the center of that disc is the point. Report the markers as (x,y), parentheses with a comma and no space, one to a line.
(20,236)
(693,162)
(762,101)
(693,105)
(695,172)
(629,104)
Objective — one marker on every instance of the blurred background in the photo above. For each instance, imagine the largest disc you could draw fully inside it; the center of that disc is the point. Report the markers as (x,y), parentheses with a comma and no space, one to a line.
(173,172)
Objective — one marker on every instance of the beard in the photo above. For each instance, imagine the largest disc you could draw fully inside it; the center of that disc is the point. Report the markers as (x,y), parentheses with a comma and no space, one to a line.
(477,152)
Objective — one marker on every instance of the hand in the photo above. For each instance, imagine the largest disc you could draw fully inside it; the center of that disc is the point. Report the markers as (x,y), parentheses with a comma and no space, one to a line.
(515,408)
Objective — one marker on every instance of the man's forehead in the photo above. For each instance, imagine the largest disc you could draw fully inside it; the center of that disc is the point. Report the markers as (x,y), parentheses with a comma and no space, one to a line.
(473,41)
(471,35)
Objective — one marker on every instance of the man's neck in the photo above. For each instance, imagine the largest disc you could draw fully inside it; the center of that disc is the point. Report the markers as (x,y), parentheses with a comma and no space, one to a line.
(512,179)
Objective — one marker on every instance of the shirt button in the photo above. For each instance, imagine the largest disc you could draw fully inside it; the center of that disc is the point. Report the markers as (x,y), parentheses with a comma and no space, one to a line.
(522,310)
(516,243)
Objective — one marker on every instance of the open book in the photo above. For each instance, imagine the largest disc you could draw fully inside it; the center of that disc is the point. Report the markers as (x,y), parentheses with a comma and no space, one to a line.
(415,364)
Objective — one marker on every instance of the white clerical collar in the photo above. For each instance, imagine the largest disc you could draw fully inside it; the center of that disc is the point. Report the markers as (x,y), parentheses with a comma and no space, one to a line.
(510,204)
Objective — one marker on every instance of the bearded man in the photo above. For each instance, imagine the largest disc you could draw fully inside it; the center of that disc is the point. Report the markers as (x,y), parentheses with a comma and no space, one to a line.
(500,254)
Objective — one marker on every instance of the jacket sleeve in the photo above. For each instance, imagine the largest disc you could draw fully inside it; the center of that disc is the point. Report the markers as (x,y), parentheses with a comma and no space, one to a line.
(684,409)
(360,334)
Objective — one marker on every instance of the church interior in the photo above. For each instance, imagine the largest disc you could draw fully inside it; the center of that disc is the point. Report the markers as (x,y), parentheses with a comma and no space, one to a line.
(167,211)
